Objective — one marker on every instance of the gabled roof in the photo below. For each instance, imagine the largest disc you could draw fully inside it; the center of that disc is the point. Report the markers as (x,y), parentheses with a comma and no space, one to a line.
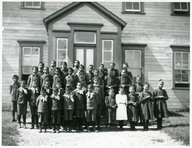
(69,7)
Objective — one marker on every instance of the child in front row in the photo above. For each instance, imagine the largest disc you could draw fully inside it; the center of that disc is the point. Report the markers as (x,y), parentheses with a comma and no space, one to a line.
(91,106)
(42,109)
(68,105)
(22,103)
(56,110)
(160,106)
(13,92)
(80,104)
(146,106)
(121,112)
(111,107)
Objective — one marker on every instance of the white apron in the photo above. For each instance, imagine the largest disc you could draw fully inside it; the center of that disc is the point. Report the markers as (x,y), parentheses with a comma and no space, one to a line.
(121,112)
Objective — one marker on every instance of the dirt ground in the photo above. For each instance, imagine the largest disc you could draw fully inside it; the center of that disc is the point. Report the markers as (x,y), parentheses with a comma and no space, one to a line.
(116,139)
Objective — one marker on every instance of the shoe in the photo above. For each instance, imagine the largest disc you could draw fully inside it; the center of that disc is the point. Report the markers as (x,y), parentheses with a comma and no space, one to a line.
(19,125)
(40,131)
(53,131)
(58,131)
(13,120)
(44,131)
(32,127)
(24,126)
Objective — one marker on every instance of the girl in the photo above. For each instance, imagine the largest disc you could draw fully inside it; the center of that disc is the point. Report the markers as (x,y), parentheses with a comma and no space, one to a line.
(91,106)
(132,107)
(111,107)
(160,106)
(13,92)
(80,104)
(121,113)
(22,103)
(146,106)
(68,104)
(42,105)
(34,93)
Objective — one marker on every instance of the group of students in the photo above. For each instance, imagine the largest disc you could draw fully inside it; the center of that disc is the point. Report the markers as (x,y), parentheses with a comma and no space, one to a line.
(59,96)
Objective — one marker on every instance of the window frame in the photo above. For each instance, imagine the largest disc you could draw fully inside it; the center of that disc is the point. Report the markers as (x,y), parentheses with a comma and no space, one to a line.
(180,13)
(41,7)
(29,43)
(179,49)
(141,11)
(93,43)
(111,51)
(57,49)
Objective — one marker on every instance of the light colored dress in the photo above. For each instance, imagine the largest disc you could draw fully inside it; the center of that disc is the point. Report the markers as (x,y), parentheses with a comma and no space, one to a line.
(121,112)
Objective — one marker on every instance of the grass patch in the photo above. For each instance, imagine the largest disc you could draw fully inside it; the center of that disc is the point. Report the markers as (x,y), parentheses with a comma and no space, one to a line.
(9,130)
(178,127)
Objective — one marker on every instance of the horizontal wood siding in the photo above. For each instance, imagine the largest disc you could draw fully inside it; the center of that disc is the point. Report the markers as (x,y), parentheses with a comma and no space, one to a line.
(156,28)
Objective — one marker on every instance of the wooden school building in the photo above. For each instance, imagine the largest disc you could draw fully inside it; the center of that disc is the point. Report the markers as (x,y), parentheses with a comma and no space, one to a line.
(152,37)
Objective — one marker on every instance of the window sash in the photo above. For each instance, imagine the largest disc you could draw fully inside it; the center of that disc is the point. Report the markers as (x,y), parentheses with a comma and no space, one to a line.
(132,3)
(26,5)
(133,58)
(181,61)
(84,42)
(65,50)
(107,51)
(187,9)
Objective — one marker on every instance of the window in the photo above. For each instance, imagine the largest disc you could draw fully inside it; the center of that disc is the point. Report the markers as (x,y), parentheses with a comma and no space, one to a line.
(85,37)
(133,7)
(107,52)
(62,47)
(180,8)
(30,55)
(32,5)
(181,67)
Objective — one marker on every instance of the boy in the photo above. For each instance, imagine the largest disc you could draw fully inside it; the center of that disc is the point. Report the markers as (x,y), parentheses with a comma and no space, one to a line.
(68,103)
(90,74)
(13,88)
(56,110)
(160,106)
(57,78)
(64,69)
(80,105)
(40,69)
(34,93)
(42,110)
(34,78)
(52,68)
(146,106)
(126,66)
(91,106)
(46,77)
(132,107)
(76,66)
(102,70)
(115,71)
(98,90)
(125,81)
(83,76)
(111,107)
(71,79)
(22,103)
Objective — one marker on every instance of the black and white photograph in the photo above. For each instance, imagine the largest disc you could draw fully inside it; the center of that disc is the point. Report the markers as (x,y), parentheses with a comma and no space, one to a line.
(95,73)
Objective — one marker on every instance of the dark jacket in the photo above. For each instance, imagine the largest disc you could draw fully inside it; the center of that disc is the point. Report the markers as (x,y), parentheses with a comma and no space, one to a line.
(13,88)
(23,95)
(80,99)
(33,78)
(56,102)
(91,100)
(110,102)
(69,101)
(58,79)
(160,105)
(42,104)
(46,77)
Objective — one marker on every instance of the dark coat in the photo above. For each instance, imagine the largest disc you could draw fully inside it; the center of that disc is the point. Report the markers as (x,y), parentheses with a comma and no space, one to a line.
(83,78)
(42,104)
(110,102)
(33,78)
(99,91)
(160,105)
(146,105)
(68,101)
(13,88)
(58,79)
(46,77)
(80,99)
(90,76)
(91,100)
(22,96)
(71,80)
(64,72)
(56,102)
(133,108)
(48,93)
(138,88)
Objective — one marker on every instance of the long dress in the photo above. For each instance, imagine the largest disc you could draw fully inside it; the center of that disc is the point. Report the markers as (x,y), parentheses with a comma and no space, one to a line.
(121,112)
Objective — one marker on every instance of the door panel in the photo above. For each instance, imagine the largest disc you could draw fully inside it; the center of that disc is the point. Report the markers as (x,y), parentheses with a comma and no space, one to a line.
(80,55)
(89,57)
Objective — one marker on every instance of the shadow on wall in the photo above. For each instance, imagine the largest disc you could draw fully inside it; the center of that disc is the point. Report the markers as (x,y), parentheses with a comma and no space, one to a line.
(5,65)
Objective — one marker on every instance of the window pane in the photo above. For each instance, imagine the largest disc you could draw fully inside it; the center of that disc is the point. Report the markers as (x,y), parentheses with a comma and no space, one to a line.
(107,45)
(106,64)
(26,50)
(184,6)
(34,60)
(136,63)
(62,55)
(36,4)
(128,5)
(136,5)
(185,56)
(80,55)
(135,72)
(176,5)
(178,75)
(62,44)
(35,50)
(89,57)
(185,76)
(128,54)
(185,64)
(107,56)
(28,3)
(27,69)
(85,37)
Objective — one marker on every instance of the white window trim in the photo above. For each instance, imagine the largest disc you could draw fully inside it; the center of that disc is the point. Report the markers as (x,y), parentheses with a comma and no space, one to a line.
(65,39)
(188,69)
(26,6)
(135,10)
(111,51)
(185,10)
(94,42)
